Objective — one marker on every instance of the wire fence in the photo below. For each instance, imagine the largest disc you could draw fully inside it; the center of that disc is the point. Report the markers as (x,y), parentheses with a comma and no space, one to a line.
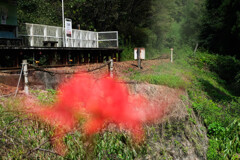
(56,73)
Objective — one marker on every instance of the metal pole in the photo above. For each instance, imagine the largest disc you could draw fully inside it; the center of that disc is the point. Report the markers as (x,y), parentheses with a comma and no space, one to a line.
(171,55)
(25,73)
(139,58)
(63,33)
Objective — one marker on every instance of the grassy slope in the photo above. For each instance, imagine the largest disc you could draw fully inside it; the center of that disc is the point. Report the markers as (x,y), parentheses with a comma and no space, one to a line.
(209,95)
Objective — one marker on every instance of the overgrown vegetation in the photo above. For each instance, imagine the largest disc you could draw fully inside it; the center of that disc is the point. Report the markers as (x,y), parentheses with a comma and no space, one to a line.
(25,137)
(211,94)
(212,81)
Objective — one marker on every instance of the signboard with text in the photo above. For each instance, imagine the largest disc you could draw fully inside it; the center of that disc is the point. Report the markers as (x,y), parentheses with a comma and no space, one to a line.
(68,28)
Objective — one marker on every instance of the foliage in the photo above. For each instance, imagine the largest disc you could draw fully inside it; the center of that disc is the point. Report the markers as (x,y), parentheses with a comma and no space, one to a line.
(210,95)
(226,67)
(221,33)
(112,145)
(215,102)
(191,24)
(39,12)
(22,136)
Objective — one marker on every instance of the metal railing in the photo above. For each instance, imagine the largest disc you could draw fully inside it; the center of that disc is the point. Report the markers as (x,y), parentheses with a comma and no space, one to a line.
(35,34)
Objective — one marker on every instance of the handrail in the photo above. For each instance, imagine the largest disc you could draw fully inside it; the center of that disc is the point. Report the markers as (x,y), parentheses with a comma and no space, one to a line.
(35,34)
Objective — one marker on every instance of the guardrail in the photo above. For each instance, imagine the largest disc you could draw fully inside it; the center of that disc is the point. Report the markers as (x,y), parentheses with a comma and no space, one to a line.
(34,34)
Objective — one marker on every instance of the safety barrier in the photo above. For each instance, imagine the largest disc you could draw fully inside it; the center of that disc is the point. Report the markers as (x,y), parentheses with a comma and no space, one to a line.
(35,34)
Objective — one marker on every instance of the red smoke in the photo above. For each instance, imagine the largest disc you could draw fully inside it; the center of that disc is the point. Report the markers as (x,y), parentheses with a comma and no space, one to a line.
(98,102)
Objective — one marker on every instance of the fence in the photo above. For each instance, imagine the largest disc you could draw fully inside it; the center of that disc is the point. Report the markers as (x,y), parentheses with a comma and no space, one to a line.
(34,34)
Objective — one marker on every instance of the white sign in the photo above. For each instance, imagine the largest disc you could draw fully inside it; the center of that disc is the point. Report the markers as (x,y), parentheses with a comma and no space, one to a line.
(68,28)
(142,53)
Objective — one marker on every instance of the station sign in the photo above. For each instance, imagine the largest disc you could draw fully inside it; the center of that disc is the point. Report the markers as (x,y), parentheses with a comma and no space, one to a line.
(68,28)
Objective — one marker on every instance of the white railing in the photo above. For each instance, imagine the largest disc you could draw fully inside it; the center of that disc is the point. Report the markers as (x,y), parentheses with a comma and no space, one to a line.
(35,34)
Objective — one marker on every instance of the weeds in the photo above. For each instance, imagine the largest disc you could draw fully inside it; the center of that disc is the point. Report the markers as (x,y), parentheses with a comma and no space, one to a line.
(210,96)
(24,137)
(208,80)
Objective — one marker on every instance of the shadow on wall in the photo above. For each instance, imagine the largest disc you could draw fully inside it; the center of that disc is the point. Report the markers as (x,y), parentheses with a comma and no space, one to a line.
(43,80)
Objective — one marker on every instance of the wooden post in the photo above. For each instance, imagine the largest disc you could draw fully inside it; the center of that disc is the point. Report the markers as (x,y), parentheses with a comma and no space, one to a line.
(66,56)
(34,62)
(17,60)
(195,50)
(139,58)
(171,55)
(78,59)
(86,58)
(111,68)
(25,73)
(119,56)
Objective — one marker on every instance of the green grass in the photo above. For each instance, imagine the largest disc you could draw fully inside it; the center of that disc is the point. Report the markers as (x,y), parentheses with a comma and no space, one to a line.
(163,79)
(213,95)
(210,96)
(174,75)
(21,134)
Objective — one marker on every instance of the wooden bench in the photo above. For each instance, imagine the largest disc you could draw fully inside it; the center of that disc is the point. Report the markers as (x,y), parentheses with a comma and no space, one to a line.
(50,43)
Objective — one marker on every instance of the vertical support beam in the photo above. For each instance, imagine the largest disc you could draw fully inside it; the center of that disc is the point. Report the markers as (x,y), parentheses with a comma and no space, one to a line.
(89,57)
(34,59)
(97,41)
(17,60)
(55,59)
(86,58)
(111,68)
(117,39)
(45,33)
(78,59)
(51,57)
(25,73)
(119,56)
(97,57)
(57,35)
(63,28)
(66,58)
(139,58)
(31,36)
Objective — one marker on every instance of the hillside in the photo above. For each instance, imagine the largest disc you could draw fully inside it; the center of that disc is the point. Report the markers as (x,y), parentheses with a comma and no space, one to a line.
(200,121)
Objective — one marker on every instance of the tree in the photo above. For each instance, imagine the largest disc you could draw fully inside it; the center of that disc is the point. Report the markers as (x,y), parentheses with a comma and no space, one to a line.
(221,28)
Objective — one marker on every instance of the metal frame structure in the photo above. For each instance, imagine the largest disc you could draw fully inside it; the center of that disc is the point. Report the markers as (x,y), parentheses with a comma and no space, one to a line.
(35,34)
